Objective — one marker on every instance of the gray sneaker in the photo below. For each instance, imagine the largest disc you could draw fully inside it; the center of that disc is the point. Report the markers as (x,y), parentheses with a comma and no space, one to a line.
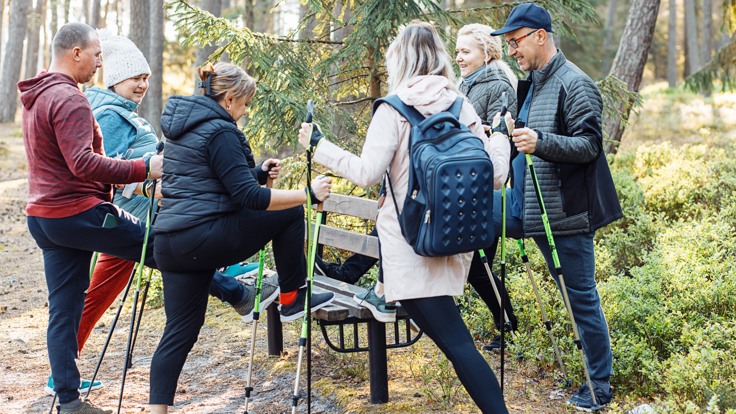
(382,311)
(269,292)
(86,408)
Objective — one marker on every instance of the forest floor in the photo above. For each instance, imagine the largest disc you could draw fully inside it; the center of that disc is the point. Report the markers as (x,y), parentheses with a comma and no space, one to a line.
(214,376)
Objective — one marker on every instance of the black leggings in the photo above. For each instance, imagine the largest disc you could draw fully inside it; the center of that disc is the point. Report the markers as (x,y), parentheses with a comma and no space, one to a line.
(187,260)
(440,319)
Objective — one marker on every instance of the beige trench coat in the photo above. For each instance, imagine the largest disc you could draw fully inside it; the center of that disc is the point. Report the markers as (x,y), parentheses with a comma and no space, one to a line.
(406,274)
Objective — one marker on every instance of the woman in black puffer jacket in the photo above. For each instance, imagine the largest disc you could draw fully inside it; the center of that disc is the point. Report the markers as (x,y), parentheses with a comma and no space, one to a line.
(214,213)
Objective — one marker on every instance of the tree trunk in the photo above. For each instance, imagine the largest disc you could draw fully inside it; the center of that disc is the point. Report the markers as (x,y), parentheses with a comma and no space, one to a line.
(691,38)
(214,7)
(33,40)
(307,31)
(628,64)
(67,9)
(140,34)
(2,16)
(85,10)
(707,25)
(154,98)
(19,10)
(608,29)
(672,46)
(248,14)
(94,14)
(54,7)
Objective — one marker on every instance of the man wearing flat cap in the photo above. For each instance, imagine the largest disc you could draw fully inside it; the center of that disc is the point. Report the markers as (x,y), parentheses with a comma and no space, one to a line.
(561,109)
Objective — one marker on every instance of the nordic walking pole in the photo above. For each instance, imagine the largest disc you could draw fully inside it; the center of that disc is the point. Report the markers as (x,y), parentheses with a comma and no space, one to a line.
(256,317)
(129,363)
(312,235)
(545,320)
(110,332)
(558,270)
(504,108)
(149,223)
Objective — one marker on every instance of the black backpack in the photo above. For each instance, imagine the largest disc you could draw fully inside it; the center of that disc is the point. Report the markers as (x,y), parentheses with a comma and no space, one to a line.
(449,202)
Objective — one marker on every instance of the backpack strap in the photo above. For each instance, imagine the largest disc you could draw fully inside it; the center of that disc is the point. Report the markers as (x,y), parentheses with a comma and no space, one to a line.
(408,112)
(456,107)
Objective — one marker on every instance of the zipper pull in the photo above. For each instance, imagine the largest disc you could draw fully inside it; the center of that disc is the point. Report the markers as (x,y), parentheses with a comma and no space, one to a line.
(426,216)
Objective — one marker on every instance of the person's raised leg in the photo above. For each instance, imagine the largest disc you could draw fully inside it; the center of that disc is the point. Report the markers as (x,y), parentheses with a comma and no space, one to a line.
(440,319)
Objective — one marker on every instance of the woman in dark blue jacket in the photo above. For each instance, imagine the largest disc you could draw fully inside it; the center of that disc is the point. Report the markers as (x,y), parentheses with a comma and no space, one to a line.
(215,212)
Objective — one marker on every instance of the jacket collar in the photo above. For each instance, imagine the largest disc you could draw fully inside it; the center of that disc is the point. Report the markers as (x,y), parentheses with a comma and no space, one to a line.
(540,76)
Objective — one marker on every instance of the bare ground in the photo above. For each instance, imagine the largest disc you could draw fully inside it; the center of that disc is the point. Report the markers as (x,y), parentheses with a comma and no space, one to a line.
(213,380)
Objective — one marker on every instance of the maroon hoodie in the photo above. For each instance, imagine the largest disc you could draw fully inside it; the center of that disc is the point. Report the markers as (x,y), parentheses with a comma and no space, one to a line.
(68,172)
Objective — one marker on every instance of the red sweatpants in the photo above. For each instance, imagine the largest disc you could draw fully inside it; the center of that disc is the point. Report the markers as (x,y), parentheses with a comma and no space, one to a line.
(109,278)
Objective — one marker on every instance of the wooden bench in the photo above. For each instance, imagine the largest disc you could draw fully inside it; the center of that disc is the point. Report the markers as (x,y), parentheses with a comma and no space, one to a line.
(341,321)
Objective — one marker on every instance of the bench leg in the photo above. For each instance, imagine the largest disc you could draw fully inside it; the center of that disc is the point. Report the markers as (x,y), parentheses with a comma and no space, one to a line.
(377,362)
(275,334)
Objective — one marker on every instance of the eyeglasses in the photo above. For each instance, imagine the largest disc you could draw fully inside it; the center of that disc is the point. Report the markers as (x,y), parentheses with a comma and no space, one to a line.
(514,43)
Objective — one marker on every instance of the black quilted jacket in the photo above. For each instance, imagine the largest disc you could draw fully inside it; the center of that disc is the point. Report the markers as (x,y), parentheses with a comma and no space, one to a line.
(571,167)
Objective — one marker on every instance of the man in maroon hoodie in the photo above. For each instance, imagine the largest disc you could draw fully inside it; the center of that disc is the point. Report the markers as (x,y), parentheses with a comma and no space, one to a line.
(70,189)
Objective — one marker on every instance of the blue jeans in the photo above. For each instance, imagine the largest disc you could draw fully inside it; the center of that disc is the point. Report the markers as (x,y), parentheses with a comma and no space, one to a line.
(577,260)
(67,245)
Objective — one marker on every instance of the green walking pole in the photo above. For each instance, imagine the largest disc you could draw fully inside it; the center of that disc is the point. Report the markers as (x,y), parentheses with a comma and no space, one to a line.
(545,320)
(312,237)
(256,316)
(558,270)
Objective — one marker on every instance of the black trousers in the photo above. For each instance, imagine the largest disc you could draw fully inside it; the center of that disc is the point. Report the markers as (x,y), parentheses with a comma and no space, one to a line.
(478,278)
(440,319)
(187,260)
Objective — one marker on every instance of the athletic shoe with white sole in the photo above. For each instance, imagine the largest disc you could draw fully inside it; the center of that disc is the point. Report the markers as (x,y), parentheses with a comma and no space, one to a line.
(269,292)
(296,309)
(83,387)
(381,311)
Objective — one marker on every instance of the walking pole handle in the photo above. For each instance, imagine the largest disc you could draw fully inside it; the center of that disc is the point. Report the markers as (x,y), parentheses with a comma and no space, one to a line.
(310,110)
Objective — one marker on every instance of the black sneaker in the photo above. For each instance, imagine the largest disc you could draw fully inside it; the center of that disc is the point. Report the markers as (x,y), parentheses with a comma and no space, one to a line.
(331,270)
(296,309)
(582,399)
(495,345)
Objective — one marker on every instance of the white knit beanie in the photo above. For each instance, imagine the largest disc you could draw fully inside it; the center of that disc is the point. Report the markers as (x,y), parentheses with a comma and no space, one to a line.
(121,58)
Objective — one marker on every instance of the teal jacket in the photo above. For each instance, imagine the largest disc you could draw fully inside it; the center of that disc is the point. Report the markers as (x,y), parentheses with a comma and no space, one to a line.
(124,135)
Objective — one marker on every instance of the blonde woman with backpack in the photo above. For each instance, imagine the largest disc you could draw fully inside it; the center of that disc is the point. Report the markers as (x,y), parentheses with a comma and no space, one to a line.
(421,75)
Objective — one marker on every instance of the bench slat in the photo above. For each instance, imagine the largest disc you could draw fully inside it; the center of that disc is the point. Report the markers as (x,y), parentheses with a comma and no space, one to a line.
(364,244)
(351,206)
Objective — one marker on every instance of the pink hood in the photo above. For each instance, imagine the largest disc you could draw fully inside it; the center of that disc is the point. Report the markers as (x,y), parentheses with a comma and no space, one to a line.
(429,94)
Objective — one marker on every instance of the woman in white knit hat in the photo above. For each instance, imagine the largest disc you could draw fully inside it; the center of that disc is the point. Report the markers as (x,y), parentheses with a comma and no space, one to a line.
(127,135)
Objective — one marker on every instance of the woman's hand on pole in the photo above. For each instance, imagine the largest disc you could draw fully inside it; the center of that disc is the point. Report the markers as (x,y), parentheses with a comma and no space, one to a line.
(321,187)
(273,167)
(497,126)
(309,136)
